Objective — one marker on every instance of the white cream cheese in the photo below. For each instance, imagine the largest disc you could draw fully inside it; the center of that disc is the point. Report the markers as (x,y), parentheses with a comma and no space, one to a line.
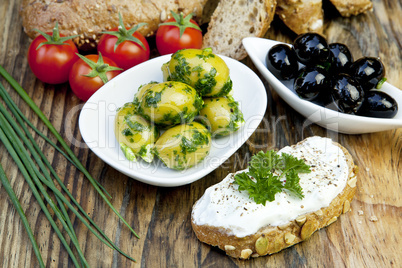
(223,205)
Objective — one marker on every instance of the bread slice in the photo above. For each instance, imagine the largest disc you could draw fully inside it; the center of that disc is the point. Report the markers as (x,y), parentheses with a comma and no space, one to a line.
(348,8)
(301,16)
(90,17)
(235,223)
(234,20)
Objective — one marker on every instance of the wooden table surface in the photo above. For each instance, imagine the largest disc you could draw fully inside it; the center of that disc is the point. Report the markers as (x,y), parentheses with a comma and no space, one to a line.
(161,216)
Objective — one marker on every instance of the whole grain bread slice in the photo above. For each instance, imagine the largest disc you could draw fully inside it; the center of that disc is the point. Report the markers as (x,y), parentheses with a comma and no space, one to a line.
(271,239)
(88,18)
(234,20)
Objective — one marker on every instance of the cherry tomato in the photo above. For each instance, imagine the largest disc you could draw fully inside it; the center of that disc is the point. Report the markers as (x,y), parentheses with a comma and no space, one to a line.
(126,47)
(51,56)
(178,33)
(91,72)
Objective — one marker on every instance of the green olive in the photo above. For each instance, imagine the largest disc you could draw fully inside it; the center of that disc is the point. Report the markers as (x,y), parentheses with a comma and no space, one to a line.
(221,115)
(136,136)
(165,71)
(170,103)
(201,69)
(141,91)
(183,146)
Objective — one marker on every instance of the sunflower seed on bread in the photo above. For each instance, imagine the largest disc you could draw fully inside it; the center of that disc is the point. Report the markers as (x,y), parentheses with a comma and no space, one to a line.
(229,219)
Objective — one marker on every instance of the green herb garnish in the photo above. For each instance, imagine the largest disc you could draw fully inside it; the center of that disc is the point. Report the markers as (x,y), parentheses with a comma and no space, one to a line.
(268,169)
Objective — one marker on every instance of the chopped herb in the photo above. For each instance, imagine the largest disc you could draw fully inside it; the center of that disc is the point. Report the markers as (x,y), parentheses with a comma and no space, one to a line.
(127,132)
(267,170)
(143,151)
(191,145)
(134,125)
(206,54)
(182,70)
(187,89)
(205,85)
(152,98)
(128,152)
(198,69)
(227,87)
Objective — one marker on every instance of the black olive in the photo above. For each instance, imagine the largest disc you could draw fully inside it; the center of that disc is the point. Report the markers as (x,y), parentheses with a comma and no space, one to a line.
(368,71)
(281,60)
(347,94)
(310,82)
(378,104)
(311,49)
(341,58)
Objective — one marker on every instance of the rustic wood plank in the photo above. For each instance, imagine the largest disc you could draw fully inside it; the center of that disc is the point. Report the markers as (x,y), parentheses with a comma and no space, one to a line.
(161,216)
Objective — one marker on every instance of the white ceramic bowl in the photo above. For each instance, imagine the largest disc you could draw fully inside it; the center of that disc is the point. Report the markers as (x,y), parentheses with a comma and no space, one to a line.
(257,49)
(96,122)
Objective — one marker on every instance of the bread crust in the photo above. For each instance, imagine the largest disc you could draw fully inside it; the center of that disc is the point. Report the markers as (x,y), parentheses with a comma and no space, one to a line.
(301,16)
(88,18)
(349,8)
(271,239)
(234,20)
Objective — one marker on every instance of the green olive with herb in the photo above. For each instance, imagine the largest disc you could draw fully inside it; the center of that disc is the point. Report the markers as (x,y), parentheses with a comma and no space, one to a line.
(170,103)
(141,91)
(221,115)
(135,135)
(200,68)
(183,146)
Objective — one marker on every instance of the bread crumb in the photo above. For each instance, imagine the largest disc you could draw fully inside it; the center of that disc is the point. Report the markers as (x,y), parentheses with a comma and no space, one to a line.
(373,218)
(360,212)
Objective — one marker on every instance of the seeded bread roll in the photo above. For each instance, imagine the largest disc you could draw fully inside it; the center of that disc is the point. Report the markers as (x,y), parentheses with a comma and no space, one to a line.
(269,239)
(348,8)
(234,20)
(88,18)
(301,16)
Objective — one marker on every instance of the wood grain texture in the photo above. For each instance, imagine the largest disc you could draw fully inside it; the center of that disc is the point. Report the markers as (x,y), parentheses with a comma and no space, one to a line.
(161,216)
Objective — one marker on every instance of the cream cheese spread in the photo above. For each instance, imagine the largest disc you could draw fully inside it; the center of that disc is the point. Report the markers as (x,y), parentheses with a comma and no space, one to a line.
(223,205)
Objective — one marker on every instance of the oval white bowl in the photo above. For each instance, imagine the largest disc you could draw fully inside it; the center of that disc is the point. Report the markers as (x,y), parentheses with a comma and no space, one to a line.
(257,49)
(96,122)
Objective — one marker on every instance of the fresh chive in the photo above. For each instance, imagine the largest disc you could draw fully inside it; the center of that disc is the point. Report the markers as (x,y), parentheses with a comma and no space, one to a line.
(39,156)
(35,175)
(18,207)
(40,163)
(15,156)
(16,111)
(46,121)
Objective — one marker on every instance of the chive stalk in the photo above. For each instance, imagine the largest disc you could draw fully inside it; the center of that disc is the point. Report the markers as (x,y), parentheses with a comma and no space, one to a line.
(38,156)
(17,112)
(6,184)
(46,121)
(26,175)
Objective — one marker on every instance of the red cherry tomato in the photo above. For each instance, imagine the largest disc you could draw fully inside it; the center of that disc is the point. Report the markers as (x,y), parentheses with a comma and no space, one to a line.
(85,80)
(51,63)
(168,39)
(127,53)
(126,47)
